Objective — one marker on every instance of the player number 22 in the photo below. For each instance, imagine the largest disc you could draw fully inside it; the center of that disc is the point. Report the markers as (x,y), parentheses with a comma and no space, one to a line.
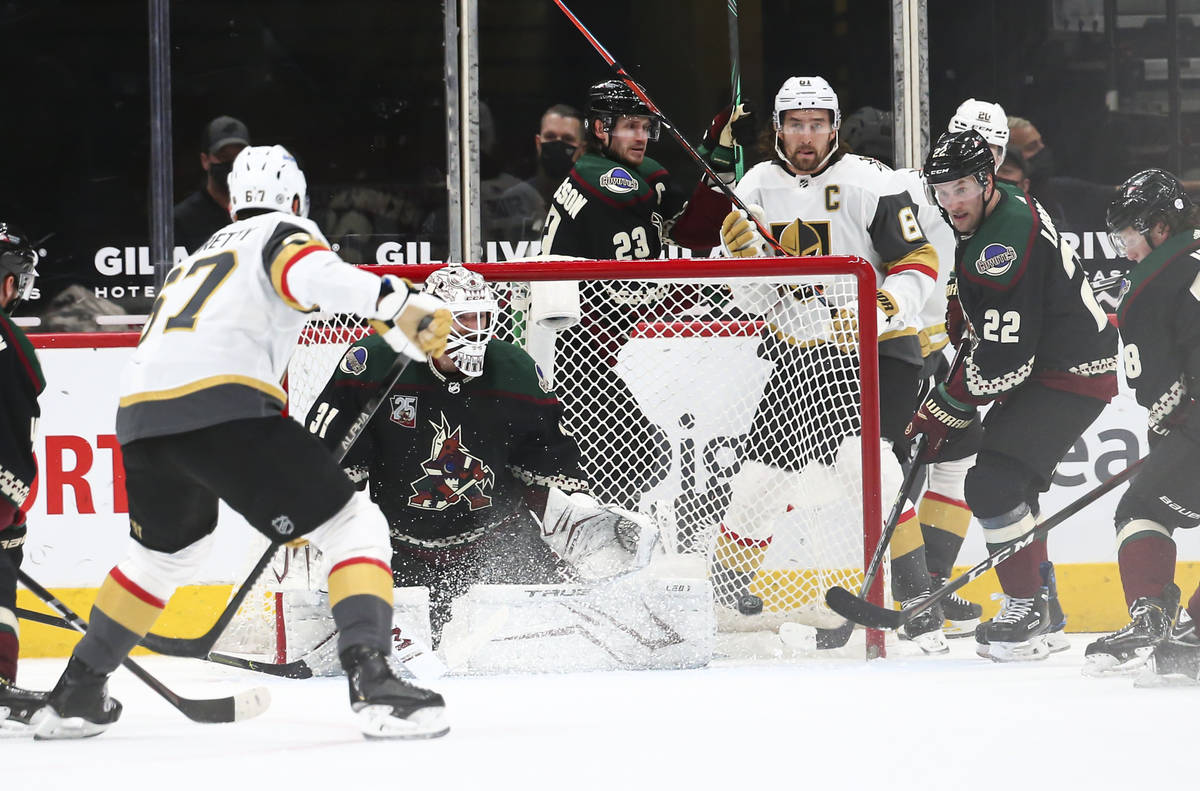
(1001,329)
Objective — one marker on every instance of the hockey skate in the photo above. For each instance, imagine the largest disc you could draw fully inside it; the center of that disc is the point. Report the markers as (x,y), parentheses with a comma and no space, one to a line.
(1017,633)
(1175,661)
(1126,650)
(389,707)
(1056,636)
(962,616)
(78,706)
(925,630)
(17,707)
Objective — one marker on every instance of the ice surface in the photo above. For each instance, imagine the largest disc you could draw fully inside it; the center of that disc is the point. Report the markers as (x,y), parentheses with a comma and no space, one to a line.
(900,723)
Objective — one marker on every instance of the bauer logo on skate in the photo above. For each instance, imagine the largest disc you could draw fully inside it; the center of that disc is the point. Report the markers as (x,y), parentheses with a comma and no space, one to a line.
(995,259)
(354,362)
(618,180)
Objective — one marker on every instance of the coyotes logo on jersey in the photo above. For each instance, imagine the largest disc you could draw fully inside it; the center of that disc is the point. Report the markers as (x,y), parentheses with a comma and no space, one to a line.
(452,474)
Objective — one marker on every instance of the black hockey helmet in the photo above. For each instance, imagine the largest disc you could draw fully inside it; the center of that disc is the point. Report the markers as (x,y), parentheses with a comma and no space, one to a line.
(611,99)
(957,155)
(19,259)
(1146,198)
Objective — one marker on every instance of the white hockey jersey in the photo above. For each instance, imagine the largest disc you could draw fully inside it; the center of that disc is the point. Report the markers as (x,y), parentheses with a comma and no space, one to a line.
(856,206)
(217,342)
(931,321)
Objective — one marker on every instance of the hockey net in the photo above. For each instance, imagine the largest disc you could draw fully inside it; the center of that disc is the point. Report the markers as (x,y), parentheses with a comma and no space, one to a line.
(735,402)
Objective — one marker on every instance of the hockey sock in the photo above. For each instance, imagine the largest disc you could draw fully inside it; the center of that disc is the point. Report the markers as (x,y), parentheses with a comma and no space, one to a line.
(910,575)
(123,613)
(9,644)
(1147,564)
(1019,575)
(360,596)
(944,523)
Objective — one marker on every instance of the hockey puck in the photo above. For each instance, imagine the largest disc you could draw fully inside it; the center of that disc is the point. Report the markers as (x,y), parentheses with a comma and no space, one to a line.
(749,604)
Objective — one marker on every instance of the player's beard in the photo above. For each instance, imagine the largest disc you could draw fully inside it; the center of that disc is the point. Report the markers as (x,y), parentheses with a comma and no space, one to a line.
(806,162)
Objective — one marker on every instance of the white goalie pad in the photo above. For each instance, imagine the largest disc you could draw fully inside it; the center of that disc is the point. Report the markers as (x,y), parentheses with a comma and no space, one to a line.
(633,623)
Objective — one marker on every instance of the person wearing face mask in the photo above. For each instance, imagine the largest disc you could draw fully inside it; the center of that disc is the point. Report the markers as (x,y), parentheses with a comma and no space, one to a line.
(559,144)
(206,210)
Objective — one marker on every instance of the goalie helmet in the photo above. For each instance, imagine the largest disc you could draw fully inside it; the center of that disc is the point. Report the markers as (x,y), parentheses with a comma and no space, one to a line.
(986,118)
(1146,198)
(19,259)
(474,305)
(611,99)
(267,177)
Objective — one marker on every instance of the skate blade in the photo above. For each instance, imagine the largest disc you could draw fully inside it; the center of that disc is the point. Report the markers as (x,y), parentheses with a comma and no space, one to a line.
(379,722)
(1056,642)
(1031,650)
(12,727)
(983,650)
(1107,665)
(47,725)
(931,643)
(956,630)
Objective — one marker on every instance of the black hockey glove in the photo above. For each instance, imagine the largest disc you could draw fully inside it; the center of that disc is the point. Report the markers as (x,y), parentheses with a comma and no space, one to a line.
(940,418)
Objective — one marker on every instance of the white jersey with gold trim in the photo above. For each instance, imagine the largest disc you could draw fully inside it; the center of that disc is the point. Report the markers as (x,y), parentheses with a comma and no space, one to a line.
(218,339)
(931,322)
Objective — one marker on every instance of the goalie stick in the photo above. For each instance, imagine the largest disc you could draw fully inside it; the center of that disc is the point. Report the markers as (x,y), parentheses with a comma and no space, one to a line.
(836,638)
(846,604)
(666,122)
(199,647)
(241,706)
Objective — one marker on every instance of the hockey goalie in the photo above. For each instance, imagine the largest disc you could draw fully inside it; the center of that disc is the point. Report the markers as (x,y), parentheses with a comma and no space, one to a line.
(490,514)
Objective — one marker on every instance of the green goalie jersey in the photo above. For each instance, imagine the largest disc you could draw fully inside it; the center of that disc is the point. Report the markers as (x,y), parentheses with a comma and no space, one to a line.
(446,458)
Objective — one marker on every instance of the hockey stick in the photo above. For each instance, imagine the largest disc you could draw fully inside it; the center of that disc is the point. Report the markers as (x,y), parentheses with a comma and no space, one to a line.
(836,638)
(846,604)
(735,81)
(199,647)
(241,706)
(666,122)
(297,669)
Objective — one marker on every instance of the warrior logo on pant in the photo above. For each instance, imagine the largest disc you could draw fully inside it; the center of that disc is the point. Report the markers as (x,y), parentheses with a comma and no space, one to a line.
(452,474)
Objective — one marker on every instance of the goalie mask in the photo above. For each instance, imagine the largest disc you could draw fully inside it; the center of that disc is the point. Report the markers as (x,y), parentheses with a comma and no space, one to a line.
(267,177)
(1147,198)
(807,93)
(611,99)
(19,259)
(474,305)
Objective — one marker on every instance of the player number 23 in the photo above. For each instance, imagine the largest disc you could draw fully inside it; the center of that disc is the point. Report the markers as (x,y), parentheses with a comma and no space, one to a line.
(634,240)
(999,328)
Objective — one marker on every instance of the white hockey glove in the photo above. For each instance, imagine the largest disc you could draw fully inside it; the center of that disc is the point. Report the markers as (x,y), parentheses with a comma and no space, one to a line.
(740,236)
(599,541)
(413,323)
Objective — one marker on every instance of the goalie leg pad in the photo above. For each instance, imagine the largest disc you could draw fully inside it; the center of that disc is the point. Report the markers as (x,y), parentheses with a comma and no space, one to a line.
(634,623)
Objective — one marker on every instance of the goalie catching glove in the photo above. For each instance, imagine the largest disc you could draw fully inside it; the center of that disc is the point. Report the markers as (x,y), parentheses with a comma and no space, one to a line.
(940,418)
(413,323)
(600,541)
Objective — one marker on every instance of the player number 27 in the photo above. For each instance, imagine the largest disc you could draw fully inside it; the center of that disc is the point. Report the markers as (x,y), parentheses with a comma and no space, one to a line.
(999,328)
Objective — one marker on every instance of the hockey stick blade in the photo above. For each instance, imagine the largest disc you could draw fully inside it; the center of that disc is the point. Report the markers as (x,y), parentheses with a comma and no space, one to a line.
(860,611)
(297,669)
(242,706)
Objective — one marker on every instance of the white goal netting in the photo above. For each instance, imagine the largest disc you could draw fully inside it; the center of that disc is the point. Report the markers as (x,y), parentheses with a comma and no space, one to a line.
(723,398)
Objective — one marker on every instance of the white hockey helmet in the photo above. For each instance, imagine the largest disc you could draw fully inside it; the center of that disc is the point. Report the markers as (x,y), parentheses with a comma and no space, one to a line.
(806,93)
(267,177)
(474,305)
(986,118)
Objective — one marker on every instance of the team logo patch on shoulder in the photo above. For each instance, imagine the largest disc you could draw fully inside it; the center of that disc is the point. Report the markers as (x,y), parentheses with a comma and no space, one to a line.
(404,410)
(354,362)
(618,180)
(996,259)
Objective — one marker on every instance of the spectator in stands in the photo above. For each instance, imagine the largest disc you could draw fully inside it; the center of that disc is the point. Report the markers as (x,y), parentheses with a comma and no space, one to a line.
(206,210)
(1075,205)
(868,132)
(559,143)
(1014,169)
